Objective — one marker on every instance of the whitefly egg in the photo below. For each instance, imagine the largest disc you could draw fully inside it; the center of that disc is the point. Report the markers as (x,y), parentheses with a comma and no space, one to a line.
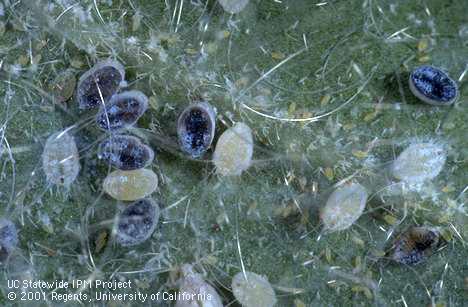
(234,150)
(253,290)
(130,185)
(60,159)
(419,162)
(344,206)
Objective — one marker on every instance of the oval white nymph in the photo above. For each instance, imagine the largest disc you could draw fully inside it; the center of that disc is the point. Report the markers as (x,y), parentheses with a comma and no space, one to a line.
(233,6)
(344,206)
(419,162)
(195,291)
(60,159)
(253,290)
(234,150)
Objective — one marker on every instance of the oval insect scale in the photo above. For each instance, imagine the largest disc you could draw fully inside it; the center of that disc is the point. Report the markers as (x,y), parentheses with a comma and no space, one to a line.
(234,150)
(198,291)
(99,83)
(419,162)
(233,6)
(416,244)
(8,238)
(130,185)
(433,86)
(125,152)
(60,159)
(196,128)
(255,291)
(137,222)
(122,110)
(344,206)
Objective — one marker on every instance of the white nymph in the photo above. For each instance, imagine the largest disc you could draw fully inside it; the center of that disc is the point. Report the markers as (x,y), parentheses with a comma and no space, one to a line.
(234,150)
(60,159)
(344,206)
(419,162)
(233,6)
(253,290)
(196,291)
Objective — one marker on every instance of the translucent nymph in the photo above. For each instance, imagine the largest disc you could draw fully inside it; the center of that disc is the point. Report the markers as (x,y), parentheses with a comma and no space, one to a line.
(197,291)
(137,222)
(253,290)
(419,162)
(125,152)
(196,128)
(123,110)
(344,206)
(60,159)
(97,85)
(234,150)
(130,185)
(233,6)
(433,86)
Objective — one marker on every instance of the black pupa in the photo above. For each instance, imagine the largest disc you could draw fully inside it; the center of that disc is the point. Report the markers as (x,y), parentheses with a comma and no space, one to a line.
(137,222)
(416,244)
(123,110)
(97,85)
(196,128)
(125,152)
(433,86)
